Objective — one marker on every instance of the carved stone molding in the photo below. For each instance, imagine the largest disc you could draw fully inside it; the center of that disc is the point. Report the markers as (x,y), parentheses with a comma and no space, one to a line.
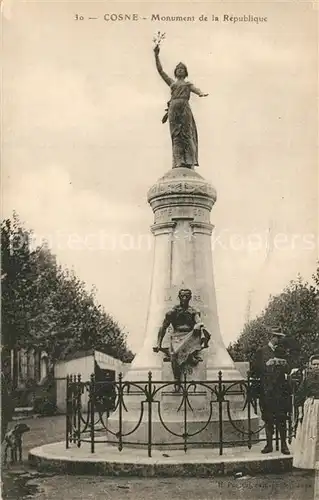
(163,228)
(202,227)
(184,183)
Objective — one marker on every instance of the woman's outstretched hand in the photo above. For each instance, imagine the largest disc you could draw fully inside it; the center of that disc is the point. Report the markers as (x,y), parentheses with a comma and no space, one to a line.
(156,50)
(203,95)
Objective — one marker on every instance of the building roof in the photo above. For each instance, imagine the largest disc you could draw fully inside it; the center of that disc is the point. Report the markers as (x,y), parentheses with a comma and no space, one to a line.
(86,353)
(77,355)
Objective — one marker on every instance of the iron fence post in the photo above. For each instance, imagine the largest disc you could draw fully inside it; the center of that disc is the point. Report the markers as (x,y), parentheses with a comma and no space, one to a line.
(67,422)
(120,445)
(185,396)
(74,400)
(149,410)
(78,410)
(249,411)
(71,407)
(92,410)
(220,411)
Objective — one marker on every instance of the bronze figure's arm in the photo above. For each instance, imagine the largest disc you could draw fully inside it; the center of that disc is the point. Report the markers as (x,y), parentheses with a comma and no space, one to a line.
(159,67)
(197,91)
(162,331)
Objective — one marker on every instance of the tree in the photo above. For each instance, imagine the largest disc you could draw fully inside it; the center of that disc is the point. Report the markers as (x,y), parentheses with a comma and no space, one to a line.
(16,282)
(252,337)
(296,311)
(47,306)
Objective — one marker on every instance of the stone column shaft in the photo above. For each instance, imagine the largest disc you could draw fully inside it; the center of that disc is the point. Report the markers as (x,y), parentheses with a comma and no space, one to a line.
(182,201)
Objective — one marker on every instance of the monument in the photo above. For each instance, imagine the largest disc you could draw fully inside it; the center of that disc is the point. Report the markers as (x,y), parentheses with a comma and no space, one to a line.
(182,392)
(181,340)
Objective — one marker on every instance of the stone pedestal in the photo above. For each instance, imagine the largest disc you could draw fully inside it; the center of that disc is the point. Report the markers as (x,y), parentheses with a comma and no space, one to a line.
(182,201)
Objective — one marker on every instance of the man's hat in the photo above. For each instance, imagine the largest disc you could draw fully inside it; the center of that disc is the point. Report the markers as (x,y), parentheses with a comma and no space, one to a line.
(276,332)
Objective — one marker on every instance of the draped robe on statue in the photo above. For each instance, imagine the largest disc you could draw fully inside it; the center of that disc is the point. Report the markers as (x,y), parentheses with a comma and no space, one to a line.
(186,339)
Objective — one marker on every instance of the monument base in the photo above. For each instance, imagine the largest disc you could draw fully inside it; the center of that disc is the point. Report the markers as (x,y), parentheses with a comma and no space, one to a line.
(200,433)
(175,420)
(108,461)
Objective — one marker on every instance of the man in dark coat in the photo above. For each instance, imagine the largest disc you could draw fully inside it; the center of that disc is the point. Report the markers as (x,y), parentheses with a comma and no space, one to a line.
(270,366)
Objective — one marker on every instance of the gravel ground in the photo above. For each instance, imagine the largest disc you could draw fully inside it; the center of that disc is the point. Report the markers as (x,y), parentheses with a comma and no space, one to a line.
(21,482)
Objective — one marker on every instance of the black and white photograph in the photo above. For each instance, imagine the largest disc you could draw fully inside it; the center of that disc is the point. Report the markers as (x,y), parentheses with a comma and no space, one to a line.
(159,250)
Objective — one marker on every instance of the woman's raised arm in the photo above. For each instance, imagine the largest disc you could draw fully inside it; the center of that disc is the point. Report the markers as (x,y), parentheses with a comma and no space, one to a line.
(159,67)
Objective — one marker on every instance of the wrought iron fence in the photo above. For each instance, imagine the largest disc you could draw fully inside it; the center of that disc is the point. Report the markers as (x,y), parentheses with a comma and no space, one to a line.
(90,404)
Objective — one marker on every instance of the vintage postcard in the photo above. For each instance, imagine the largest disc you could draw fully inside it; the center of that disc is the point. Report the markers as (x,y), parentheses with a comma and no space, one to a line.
(159,250)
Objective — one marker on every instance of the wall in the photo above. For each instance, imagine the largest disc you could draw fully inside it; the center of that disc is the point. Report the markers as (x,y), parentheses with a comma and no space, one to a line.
(108,363)
(83,366)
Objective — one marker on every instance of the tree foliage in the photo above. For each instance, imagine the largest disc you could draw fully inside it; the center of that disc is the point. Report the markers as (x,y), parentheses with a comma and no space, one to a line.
(47,306)
(296,311)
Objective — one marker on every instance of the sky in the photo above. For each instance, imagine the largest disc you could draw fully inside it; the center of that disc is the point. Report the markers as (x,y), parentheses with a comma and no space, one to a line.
(82,142)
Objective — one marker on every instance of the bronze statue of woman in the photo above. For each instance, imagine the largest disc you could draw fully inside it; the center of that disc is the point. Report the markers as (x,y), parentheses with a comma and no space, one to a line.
(181,121)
